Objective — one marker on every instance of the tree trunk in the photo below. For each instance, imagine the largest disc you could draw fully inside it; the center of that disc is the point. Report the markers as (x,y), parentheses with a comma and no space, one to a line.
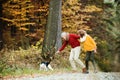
(52,40)
(1,28)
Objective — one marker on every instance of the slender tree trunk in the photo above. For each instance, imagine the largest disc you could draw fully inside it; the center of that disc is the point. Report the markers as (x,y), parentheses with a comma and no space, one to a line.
(52,39)
(1,28)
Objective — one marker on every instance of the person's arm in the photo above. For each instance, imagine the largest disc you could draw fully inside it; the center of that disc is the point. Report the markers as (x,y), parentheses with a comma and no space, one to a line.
(76,36)
(94,44)
(63,46)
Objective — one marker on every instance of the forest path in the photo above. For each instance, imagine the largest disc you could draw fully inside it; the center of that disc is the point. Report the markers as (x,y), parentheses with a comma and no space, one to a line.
(75,76)
(69,75)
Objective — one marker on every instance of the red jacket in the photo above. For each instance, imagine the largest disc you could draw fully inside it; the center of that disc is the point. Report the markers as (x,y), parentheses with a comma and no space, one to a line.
(73,41)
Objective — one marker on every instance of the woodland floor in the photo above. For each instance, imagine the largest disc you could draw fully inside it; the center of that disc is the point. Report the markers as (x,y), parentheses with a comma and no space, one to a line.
(73,76)
(69,75)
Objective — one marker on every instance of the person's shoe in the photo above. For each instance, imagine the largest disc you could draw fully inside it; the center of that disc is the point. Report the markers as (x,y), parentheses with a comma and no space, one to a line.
(84,70)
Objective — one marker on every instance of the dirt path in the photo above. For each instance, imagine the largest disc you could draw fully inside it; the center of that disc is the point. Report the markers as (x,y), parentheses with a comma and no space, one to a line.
(75,76)
(72,76)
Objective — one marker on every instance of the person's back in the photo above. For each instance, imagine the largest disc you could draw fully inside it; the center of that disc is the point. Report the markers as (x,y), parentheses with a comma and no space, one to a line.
(73,40)
(89,44)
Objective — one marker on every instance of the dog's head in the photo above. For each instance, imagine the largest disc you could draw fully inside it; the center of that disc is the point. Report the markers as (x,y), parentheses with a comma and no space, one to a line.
(47,58)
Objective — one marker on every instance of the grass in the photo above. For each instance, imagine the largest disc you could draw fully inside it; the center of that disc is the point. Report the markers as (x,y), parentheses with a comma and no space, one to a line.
(26,62)
(9,73)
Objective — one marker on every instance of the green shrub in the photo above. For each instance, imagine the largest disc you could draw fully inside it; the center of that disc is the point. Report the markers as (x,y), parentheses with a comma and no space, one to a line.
(104,57)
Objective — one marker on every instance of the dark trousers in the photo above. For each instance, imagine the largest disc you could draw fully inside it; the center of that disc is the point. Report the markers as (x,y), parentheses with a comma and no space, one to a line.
(90,57)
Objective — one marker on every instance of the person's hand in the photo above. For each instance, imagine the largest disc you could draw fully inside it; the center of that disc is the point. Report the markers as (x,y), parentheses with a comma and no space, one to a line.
(95,51)
(57,52)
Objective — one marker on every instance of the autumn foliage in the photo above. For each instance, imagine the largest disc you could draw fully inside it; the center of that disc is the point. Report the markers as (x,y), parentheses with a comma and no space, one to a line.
(25,21)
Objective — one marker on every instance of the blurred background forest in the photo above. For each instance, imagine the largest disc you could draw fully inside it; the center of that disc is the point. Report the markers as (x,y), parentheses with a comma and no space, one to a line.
(22,28)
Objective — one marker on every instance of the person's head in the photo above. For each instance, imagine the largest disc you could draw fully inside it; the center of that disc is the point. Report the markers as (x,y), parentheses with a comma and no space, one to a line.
(81,32)
(64,35)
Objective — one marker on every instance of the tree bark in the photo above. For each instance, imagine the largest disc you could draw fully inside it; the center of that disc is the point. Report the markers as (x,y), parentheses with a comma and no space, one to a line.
(1,24)
(52,40)
(1,28)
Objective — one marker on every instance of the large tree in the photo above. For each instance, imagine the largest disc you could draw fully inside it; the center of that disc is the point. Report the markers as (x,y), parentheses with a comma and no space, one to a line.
(1,24)
(1,28)
(52,39)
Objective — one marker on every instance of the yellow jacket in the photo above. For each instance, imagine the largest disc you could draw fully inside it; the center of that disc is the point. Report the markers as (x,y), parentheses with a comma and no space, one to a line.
(89,44)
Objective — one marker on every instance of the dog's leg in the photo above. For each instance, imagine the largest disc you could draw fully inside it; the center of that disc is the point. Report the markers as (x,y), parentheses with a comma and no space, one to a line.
(50,67)
(46,69)
(41,67)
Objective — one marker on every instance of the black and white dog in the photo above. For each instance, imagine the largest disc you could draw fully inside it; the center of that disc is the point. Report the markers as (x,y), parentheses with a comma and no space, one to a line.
(45,66)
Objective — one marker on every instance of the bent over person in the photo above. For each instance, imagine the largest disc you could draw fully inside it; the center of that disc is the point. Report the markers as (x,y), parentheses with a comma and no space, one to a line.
(72,40)
(89,46)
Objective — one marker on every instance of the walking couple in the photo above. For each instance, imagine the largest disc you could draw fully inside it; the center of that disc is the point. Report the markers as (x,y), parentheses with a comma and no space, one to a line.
(74,40)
